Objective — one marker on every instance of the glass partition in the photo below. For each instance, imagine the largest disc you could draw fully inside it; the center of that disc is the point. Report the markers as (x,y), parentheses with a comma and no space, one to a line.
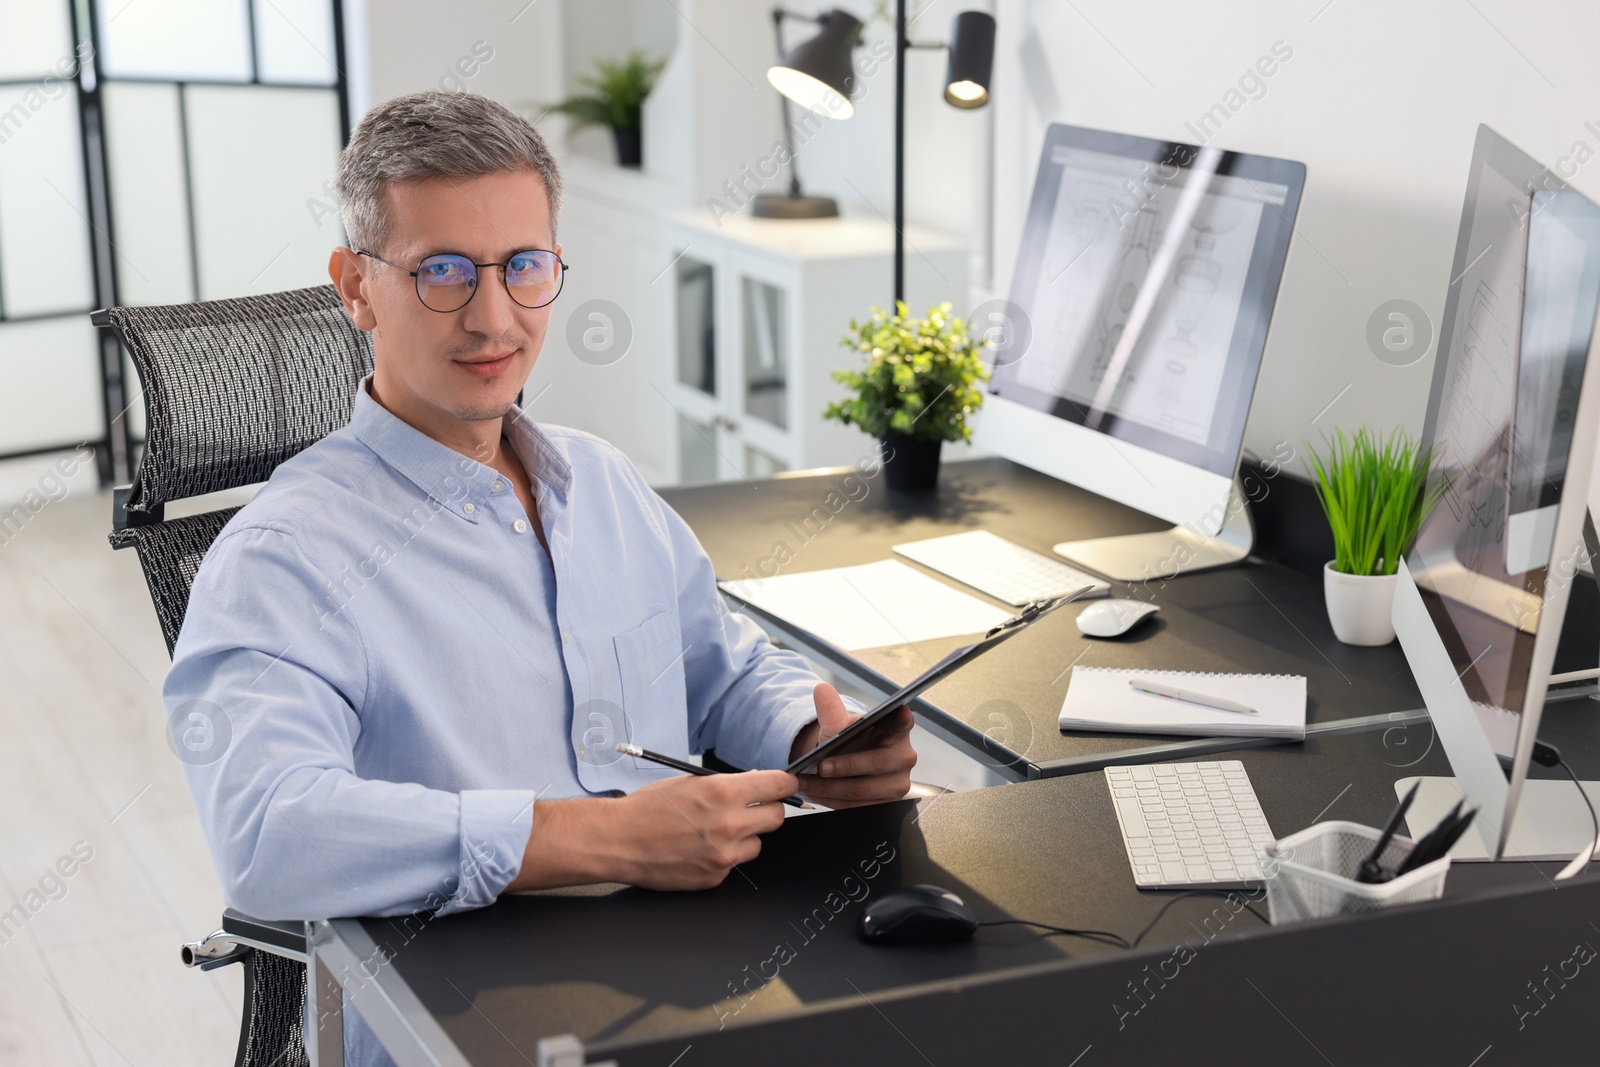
(154,152)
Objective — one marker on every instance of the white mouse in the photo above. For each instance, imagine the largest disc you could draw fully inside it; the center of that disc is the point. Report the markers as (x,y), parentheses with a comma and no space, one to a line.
(1113,618)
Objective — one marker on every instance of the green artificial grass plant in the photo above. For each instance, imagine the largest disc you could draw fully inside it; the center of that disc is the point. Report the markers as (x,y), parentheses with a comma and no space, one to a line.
(1375,493)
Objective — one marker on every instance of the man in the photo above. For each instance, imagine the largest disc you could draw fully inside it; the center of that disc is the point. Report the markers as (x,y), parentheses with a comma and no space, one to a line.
(419,644)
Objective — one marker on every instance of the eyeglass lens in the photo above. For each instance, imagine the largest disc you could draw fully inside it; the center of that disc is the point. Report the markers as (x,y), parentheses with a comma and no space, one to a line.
(447,282)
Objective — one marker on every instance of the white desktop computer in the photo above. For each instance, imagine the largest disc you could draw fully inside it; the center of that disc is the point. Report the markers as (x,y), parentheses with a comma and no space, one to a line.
(1144,287)
(1512,424)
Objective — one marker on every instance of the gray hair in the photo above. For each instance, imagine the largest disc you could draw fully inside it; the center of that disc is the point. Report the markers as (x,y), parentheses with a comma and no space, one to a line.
(433,135)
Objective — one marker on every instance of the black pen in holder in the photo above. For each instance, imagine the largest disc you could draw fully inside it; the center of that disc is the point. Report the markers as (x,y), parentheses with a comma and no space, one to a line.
(1314,874)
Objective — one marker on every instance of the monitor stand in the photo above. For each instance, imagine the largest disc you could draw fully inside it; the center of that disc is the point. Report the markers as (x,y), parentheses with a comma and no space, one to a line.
(1551,823)
(1168,553)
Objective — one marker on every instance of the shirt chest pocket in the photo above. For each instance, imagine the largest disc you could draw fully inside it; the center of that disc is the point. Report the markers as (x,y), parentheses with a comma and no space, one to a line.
(655,708)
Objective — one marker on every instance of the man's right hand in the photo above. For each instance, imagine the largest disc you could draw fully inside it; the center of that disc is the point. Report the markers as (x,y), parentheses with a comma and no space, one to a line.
(678,833)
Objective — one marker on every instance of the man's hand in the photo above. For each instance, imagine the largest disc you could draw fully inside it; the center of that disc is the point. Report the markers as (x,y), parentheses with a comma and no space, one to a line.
(678,833)
(880,767)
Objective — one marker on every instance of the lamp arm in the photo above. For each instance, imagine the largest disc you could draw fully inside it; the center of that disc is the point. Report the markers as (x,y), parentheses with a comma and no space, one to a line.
(778,15)
(901,42)
(781,13)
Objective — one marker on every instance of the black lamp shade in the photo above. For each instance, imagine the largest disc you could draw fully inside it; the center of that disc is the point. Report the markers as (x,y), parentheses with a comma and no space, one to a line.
(818,74)
(966,82)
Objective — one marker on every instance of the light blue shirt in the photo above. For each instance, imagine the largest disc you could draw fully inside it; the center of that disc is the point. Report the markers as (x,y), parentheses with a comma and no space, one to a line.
(381,672)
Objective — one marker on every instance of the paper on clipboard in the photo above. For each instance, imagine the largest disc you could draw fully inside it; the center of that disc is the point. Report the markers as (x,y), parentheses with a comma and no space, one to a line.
(868,606)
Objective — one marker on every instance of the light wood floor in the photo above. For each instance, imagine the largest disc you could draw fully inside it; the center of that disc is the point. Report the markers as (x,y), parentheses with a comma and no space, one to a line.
(94,977)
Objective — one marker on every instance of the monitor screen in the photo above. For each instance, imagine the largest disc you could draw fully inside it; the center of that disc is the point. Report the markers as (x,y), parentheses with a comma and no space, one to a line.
(1518,320)
(1148,272)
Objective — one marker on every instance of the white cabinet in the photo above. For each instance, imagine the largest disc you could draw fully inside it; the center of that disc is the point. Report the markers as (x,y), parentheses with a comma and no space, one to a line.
(756,309)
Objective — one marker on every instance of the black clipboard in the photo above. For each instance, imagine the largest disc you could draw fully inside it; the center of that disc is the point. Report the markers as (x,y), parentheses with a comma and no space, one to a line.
(1030,614)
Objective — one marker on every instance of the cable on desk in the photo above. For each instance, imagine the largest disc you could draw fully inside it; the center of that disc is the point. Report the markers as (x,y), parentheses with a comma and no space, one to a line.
(1104,937)
(1581,860)
(1184,895)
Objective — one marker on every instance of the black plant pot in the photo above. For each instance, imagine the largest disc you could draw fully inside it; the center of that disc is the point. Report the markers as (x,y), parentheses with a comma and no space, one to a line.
(911,464)
(630,147)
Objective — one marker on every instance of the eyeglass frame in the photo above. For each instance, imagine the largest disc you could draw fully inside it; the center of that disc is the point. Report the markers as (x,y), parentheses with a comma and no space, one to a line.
(415,274)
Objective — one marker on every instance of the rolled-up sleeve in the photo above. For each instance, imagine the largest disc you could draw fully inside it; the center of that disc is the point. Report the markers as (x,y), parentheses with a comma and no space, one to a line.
(265,700)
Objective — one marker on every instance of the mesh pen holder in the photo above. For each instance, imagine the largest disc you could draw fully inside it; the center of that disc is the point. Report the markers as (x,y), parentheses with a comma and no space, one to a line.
(1312,874)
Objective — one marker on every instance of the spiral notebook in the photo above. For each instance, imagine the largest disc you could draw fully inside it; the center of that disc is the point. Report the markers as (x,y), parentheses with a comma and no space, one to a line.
(1100,698)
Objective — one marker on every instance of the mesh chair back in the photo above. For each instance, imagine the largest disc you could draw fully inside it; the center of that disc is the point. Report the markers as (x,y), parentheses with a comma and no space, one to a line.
(169,554)
(272,1034)
(235,387)
(232,389)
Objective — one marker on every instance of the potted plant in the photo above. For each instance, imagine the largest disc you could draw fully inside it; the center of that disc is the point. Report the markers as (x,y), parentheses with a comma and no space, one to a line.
(1375,494)
(619,89)
(916,391)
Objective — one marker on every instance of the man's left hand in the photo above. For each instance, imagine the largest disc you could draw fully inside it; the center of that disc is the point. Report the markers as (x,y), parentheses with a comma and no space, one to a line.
(878,770)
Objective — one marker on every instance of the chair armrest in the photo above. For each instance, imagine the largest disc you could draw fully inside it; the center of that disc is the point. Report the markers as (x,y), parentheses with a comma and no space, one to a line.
(240,935)
(286,938)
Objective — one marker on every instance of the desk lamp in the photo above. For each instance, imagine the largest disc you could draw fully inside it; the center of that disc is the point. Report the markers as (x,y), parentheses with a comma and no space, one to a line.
(817,75)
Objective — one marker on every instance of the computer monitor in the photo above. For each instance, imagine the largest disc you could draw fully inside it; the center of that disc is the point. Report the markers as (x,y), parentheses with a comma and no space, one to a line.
(1511,423)
(1144,285)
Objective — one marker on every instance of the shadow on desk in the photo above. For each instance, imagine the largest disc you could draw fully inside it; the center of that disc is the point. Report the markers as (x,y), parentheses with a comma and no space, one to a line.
(777,935)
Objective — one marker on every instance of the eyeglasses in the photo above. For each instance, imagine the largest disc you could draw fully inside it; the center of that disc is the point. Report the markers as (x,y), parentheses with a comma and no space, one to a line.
(446,282)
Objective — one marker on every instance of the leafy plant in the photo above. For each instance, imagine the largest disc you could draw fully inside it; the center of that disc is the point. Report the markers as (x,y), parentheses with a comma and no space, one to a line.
(919,378)
(619,88)
(1376,495)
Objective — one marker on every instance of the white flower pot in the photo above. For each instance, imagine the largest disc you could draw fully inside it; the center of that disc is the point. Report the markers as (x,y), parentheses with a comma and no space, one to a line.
(1359,606)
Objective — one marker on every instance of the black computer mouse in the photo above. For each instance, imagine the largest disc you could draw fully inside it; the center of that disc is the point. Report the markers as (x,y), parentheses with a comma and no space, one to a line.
(916,915)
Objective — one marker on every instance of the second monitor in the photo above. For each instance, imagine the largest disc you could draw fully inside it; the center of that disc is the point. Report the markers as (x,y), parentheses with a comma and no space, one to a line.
(1146,279)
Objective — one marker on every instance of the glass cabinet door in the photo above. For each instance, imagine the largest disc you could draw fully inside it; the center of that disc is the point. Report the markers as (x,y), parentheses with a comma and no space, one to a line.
(697,452)
(758,464)
(697,325)
(763,318)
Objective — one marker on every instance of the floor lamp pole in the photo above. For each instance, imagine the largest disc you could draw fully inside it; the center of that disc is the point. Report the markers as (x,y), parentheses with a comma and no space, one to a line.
(900,43)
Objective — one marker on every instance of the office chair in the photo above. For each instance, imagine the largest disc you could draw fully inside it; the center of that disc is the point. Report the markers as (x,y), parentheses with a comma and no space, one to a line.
(232,388)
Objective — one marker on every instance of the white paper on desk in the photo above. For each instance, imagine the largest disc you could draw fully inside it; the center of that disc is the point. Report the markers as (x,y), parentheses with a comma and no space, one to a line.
(868,606)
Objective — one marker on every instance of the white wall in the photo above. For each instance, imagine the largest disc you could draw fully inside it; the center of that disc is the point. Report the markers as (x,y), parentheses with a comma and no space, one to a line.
(1380,100)
(414,45)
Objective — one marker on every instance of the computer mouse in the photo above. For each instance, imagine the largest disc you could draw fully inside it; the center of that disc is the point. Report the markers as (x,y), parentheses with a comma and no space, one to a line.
(1113,618)
(916,915)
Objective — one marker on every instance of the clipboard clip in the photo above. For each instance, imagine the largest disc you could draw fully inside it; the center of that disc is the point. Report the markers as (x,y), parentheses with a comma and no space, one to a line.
(1034,610)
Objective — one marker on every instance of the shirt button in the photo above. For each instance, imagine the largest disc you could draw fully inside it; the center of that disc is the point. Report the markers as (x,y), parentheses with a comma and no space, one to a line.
(520,526)
(498,486)
(468,508)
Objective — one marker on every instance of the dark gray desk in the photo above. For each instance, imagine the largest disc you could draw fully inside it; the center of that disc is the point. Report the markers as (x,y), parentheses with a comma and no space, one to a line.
(642,978)
(1263,618)
(609,974)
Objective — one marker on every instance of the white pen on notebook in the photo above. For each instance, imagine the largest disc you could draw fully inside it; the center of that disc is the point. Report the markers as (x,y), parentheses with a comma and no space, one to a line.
(1144,685)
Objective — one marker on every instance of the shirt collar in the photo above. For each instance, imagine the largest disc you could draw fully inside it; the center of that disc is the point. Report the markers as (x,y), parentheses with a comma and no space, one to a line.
(459,482)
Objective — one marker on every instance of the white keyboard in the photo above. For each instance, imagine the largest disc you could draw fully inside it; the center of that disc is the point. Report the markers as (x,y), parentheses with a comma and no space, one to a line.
(1190,825)
(1000,568)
